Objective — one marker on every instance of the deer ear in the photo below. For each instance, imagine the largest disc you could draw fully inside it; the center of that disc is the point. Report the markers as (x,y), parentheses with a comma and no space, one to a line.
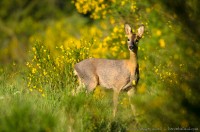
(140,31)
(128,29)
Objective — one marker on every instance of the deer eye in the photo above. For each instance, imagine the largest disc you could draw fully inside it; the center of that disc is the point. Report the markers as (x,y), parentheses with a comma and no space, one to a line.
(128,39)
(136,41)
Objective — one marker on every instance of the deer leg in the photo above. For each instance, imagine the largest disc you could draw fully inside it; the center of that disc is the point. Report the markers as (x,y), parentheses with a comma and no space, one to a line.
(130,93)
(115,101)
(91,84)
(137,73)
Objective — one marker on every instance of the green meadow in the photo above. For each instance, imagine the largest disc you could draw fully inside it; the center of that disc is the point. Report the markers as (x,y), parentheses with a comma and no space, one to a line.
(41,41)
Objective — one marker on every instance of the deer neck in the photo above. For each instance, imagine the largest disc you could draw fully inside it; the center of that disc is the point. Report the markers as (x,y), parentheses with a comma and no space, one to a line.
(133,56)
(133,59)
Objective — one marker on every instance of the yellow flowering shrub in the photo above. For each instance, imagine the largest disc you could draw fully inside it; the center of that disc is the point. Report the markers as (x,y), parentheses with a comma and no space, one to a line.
(98,9)
(114,45)
(61,33)
(54,72)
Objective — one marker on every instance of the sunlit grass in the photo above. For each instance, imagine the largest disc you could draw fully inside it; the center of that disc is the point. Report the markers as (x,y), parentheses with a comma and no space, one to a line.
(38,90)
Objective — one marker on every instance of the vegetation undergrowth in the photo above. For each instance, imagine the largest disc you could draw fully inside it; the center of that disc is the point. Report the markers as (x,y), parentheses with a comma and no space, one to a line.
(41,41)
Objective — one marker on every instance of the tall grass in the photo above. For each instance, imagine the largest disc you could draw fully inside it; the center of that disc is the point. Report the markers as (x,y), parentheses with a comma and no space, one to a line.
(42,96)
(32,101)
(22,110)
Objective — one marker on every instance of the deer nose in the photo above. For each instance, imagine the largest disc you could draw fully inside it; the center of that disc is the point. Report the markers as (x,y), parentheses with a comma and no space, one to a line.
(131,47)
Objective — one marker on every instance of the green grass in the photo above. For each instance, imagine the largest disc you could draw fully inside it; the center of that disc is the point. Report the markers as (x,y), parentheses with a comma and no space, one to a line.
(36,94)
(42,99)
(22,110)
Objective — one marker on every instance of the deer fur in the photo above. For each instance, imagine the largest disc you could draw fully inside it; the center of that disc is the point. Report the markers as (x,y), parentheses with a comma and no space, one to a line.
(113,74)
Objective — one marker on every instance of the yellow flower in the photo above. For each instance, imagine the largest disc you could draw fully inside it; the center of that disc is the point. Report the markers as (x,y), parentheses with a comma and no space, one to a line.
(34,49)
(98,93)
(158,32)
(44,73)
(123,42)
(133,7)
(78,45)
(40,90)
(27,63)
(112,20)
(148,10)
(162,43)
(29,84)
(134,82)
(122,3)
(34,70)
(101,1)
(169,73)
(61,47)
(115,29)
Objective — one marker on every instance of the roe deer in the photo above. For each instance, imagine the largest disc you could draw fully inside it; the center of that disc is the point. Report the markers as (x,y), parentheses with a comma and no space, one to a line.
(113,74)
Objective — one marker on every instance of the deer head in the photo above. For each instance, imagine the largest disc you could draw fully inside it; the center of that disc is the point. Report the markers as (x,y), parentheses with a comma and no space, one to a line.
(133,38)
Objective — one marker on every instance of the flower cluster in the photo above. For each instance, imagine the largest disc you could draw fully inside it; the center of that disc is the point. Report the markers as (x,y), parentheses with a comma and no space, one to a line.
(102,8)
(168,76)
(98,9)
(46,71)
(114,45)
(38,68)
(99,93)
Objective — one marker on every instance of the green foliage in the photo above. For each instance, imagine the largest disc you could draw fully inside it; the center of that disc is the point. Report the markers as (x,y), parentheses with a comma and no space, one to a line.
(21,115)
(22,110)
(46,71)
(39,94)
(19,20)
